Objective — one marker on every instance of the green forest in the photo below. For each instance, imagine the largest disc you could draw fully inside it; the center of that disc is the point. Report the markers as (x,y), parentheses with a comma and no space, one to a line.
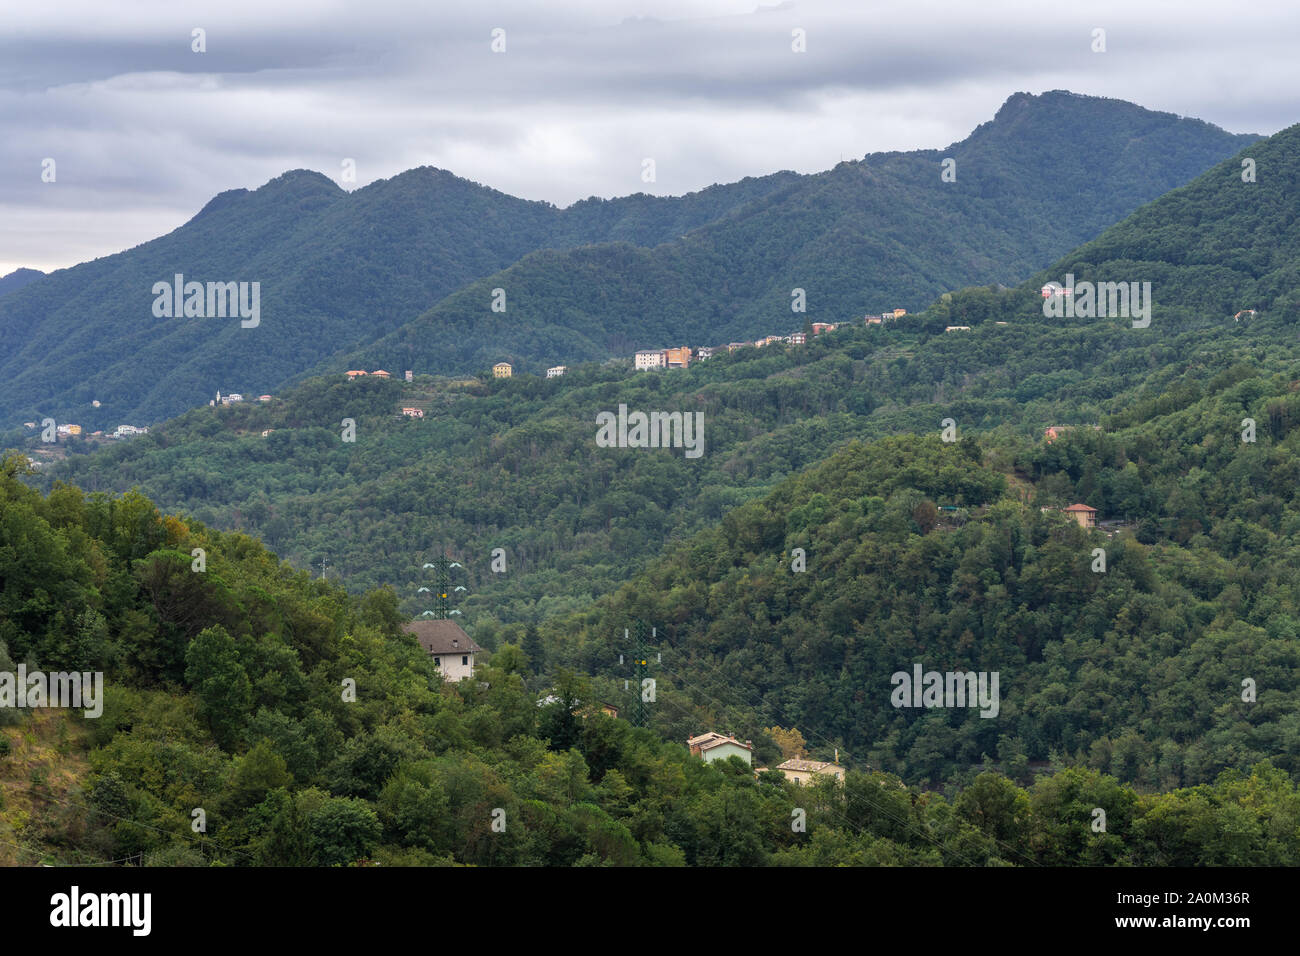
(878,499)
(228,693)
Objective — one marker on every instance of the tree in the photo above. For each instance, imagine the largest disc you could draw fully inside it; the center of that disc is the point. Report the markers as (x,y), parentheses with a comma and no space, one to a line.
(343,830)
(534,650)
(213,669)
(790,742)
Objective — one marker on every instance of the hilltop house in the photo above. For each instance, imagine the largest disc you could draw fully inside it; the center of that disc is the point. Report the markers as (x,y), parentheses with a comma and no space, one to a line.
(713,746)
(957,328)
(450,647)
(555,371)
(353,373)
(502,370)
(801,771)
(413,412)
(1086,516)
(703,352)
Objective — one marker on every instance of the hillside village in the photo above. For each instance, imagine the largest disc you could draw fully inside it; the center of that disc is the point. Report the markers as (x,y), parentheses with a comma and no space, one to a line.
(682,356)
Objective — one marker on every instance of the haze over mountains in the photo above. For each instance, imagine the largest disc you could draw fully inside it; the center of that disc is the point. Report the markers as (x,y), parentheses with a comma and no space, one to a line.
(400,273)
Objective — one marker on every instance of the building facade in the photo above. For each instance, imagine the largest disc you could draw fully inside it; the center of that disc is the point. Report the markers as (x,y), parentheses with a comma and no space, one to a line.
(450,647)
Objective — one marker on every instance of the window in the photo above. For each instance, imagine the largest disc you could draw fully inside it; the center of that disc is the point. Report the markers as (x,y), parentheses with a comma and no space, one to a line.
(438,661)
(465,659)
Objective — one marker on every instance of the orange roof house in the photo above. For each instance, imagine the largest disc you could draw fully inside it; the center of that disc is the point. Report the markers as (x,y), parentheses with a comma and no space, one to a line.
(1086,516)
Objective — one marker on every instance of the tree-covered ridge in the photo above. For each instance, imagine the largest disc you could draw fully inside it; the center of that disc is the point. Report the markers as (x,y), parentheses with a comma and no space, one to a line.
(335,269)
(339,270)
(513,463)
(880,233)
(1137,670)
(1222,244)
(227,694)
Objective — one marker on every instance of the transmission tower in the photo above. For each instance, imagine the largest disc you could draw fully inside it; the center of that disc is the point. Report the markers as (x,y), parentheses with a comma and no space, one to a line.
(640,669)
(442,589)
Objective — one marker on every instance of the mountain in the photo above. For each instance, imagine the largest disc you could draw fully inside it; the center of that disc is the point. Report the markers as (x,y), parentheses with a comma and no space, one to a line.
(17,279)
(917,550)
(513,464)
(1047,173)
(337,270)
(334,268)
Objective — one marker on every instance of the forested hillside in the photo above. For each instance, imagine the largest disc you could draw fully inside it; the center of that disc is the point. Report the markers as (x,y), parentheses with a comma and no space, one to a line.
(17,279)
(335,269)
(883,232)
(339,270)
(302,729)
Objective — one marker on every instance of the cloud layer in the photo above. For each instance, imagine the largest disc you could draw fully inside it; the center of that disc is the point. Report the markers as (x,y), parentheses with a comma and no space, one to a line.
(144,130)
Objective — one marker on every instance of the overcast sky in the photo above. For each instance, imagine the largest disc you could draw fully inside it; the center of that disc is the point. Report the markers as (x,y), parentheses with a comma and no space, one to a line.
(143,130)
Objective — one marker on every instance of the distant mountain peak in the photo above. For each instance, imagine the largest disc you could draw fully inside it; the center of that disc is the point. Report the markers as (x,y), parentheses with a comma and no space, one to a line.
(19,278)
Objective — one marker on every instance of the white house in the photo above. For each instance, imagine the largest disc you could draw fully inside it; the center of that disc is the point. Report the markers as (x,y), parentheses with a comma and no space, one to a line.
(714,746)
(704,351)
(650,358)
(450,647)
(555,371)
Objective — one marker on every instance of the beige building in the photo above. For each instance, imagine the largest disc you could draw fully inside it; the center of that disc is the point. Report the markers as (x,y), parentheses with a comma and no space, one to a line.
(450,647)
(801,771)
(713,746)
(502,370)
(1086,516)
(677,358)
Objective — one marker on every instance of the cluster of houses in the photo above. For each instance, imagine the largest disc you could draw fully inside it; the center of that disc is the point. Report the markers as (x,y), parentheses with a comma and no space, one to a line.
(682,355)
(715,746)
(234,398)
(356,373)
(69,430)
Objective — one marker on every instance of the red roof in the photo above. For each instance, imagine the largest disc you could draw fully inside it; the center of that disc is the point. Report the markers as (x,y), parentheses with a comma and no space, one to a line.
(1080,508)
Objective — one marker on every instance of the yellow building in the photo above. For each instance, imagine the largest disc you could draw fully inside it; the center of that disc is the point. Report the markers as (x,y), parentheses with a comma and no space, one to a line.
(502,370)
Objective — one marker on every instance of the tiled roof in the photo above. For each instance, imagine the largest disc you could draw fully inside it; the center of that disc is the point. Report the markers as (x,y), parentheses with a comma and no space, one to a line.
(807,766)
(441,637)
